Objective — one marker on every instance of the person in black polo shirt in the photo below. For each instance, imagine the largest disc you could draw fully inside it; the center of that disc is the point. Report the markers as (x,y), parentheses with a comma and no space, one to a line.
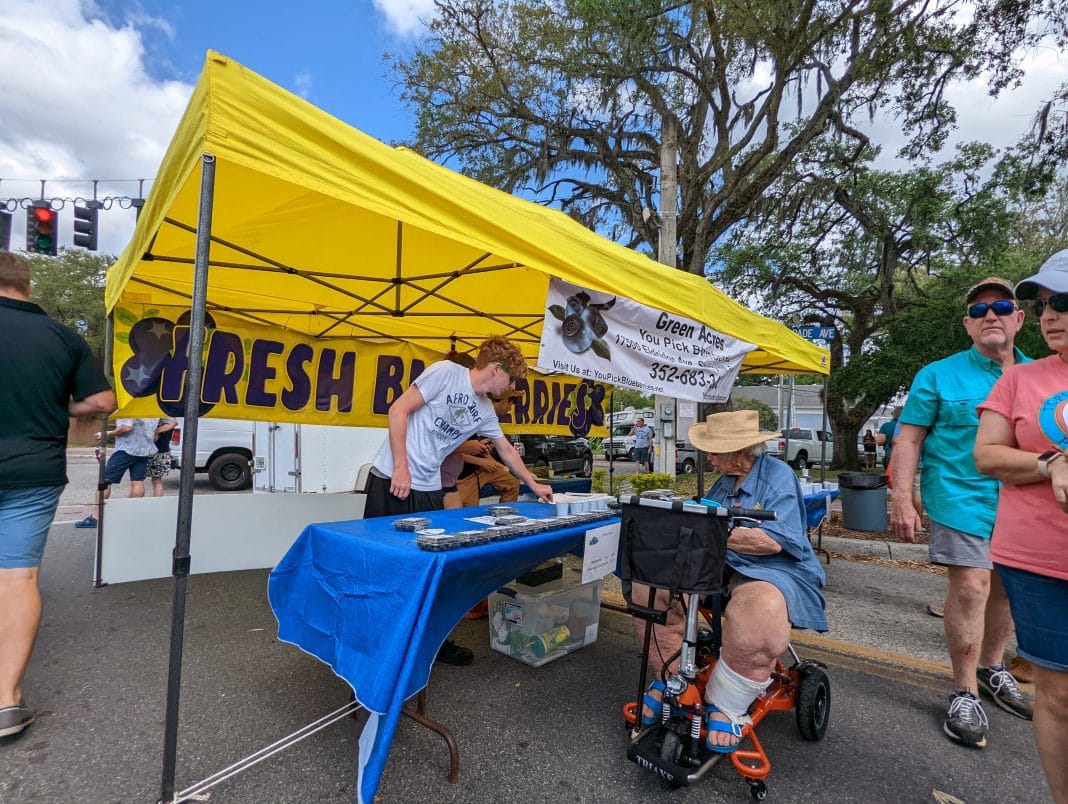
(47,374)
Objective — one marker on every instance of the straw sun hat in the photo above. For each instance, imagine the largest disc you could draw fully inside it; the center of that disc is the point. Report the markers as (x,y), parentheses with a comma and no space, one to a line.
(721,433)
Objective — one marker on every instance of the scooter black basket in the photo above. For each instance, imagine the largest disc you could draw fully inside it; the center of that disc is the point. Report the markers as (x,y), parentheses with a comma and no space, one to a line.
(672,544)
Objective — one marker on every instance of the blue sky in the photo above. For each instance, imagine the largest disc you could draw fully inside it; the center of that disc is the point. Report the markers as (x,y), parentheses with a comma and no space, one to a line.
(328,52)
(93,89)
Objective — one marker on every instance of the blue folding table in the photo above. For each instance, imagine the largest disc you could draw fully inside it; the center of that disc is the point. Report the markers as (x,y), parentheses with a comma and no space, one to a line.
(364,599)
(817,509)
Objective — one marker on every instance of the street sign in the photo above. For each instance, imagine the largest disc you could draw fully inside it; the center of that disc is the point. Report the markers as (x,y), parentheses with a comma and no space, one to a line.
(814,332)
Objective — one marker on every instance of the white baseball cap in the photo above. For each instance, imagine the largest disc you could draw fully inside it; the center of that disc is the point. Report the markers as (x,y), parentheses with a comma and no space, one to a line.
(1053,275)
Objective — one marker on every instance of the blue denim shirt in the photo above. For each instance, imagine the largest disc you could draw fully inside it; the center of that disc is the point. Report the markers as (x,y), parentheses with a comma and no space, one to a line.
(771,485)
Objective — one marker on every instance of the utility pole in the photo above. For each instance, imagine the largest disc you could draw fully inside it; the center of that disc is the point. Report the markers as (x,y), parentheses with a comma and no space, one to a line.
(667,249)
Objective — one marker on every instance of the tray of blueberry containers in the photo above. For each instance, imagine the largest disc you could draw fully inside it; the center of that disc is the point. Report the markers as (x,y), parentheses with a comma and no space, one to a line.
(507,524)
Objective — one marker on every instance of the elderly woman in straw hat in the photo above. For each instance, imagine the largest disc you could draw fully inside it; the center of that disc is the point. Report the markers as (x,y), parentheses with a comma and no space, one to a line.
(777,577)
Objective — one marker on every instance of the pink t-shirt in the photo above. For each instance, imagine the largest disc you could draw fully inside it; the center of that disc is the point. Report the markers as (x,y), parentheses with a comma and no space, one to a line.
(1031,530)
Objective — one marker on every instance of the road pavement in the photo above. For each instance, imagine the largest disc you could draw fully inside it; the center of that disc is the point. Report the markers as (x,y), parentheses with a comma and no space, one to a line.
(549,734)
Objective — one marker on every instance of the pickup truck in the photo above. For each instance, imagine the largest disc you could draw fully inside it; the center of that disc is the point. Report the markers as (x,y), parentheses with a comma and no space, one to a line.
(806,444)
(620,444)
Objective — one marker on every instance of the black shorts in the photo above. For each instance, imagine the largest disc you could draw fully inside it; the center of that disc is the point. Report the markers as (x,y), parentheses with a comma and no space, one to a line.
(380,502)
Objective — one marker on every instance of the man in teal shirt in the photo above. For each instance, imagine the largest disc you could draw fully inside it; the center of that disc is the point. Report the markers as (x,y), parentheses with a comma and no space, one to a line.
(939,423)
(887,433)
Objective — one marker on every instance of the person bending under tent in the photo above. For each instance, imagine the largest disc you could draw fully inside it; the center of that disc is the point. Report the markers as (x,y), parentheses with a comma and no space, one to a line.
(442,407)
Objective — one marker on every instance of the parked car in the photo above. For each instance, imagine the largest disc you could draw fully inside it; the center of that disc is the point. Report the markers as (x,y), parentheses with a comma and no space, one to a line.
(224,451)
(806,444)
(560,453)
(686,459)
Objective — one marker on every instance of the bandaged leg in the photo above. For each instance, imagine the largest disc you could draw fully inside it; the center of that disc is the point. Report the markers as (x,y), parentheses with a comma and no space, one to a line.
(731,693)
(729,696)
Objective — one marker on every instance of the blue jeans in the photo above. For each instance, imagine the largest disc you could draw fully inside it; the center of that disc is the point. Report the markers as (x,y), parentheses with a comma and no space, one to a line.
(25,517)
(1039,606)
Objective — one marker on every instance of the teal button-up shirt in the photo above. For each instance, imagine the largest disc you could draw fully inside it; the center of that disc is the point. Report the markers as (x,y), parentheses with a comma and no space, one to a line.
(943,398)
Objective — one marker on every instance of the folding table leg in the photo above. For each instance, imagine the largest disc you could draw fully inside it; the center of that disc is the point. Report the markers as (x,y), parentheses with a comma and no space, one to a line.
(418,714)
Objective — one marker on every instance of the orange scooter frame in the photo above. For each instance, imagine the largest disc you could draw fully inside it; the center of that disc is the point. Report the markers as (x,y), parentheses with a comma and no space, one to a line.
(673,748)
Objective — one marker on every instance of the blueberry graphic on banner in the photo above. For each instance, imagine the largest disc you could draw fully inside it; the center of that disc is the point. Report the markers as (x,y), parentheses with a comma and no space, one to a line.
(150,339)
(586,411)
(582,325)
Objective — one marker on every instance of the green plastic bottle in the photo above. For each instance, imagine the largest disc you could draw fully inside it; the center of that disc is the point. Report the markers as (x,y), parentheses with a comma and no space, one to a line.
(550,640)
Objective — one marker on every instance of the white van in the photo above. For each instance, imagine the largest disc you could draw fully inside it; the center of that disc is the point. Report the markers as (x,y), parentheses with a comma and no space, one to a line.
(224,451)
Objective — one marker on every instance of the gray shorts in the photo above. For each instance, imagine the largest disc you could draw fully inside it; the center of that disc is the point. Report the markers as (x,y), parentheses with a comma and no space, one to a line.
(954,548)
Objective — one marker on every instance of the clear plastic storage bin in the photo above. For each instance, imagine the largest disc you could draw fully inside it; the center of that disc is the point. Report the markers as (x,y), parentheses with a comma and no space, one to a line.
(542,623)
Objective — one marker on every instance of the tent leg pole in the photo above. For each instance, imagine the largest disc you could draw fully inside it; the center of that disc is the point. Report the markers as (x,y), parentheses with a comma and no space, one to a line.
(183,529)
(823,475)
(611,454)
(109,334)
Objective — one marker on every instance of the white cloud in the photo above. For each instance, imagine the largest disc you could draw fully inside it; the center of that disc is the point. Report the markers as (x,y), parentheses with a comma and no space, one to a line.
(77,103)
(302,84)
(1000,121)
(406,17)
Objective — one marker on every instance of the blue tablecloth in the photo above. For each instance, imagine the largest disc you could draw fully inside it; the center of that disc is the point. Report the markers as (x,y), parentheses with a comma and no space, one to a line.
(363,598)
(818,505)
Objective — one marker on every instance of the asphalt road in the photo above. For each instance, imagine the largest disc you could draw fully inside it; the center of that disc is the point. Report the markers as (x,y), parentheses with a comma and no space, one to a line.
(548,734)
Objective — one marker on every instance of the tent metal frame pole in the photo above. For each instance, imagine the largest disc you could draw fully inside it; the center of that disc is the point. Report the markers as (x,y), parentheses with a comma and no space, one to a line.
(611,428)
(823,475)
(101,483)
(181,557)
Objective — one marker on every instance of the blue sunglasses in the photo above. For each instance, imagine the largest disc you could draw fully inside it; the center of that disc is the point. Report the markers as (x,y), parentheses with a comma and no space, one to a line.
(1000,307)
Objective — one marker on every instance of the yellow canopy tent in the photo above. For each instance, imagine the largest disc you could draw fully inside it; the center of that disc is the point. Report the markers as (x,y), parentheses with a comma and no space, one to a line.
(322,232)
(268,212)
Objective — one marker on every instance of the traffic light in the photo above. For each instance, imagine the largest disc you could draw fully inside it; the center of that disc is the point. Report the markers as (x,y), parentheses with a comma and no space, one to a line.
(42,224)
(5,230)
(85,224)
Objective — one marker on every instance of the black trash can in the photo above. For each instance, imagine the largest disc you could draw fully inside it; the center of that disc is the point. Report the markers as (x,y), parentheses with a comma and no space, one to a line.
(863,497)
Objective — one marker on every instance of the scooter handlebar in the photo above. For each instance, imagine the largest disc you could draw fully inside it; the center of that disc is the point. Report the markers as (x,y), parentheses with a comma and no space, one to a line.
(752,513)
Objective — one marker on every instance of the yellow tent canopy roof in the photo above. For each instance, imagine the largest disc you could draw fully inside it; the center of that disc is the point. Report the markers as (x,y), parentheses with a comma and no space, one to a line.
(322,230)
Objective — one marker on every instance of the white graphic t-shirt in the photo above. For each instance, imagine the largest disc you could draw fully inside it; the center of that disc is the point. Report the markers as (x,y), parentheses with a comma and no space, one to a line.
(453,413)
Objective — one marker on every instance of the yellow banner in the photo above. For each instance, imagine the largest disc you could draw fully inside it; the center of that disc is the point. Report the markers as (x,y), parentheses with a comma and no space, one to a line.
(264,373)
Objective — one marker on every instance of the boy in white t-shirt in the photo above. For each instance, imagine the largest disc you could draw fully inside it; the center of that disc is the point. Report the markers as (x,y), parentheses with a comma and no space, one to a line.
(445,405)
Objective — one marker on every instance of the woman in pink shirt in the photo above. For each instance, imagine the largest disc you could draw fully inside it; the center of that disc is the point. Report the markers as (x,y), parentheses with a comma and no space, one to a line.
(1022,441)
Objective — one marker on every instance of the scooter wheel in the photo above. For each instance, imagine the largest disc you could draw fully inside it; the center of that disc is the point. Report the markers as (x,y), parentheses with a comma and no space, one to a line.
(813,703)
(669,749)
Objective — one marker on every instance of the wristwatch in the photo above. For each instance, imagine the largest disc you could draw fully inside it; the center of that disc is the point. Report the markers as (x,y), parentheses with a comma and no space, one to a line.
(1045,459)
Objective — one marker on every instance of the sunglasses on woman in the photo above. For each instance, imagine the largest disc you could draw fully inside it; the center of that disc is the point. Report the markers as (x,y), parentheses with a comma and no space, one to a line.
(1000,307)
(1058,301)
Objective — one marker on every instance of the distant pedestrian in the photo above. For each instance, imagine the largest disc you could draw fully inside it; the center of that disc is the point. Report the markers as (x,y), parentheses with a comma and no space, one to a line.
(940,421)
(869,449)
(160,464)
(886,435)
(47,375)
(135,444)
(643,440)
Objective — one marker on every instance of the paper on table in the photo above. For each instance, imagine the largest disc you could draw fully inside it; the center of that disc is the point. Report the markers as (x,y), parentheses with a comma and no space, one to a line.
(599,557)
